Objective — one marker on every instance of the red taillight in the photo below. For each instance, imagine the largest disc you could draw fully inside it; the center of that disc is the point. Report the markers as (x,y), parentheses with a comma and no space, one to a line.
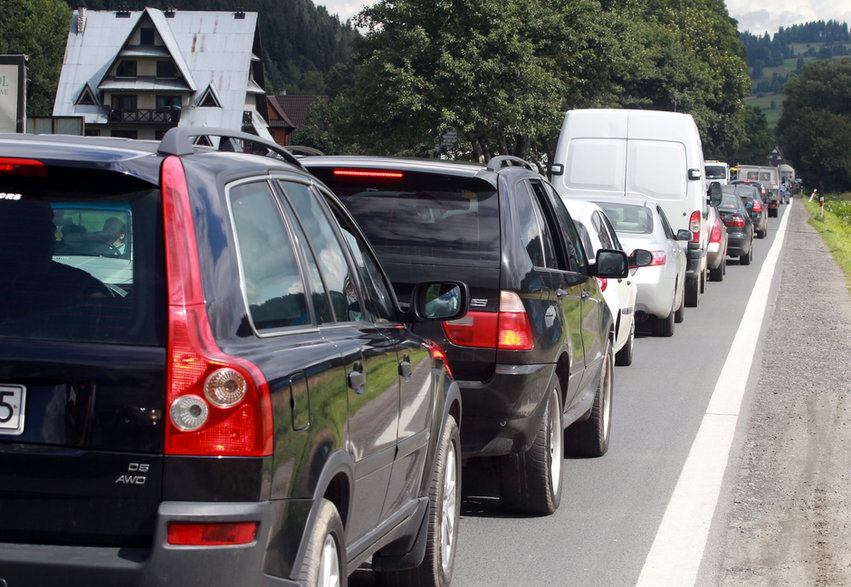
(22,167)
(213,534)
(368,173)
(734,220)
(507,329)
(715,235)
(694,226)
(437,353)
(205,418)
(659,258)
(757,205)
(603,283)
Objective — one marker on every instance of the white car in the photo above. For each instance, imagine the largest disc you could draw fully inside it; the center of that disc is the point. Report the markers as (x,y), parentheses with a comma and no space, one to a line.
(640,223)
(598,233)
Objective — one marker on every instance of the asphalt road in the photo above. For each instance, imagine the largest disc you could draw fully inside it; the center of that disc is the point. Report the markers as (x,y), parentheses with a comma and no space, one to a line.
(612,525)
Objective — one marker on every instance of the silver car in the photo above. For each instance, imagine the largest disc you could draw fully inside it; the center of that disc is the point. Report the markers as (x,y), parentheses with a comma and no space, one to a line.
(640,223)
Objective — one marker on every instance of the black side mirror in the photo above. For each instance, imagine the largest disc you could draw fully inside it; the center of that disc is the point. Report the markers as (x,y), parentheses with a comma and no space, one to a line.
(440,300)
(640,258)
(611,263)
(714,193)
(683,234)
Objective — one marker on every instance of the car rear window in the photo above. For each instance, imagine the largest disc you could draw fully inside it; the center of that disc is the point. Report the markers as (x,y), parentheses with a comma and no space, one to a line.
(628,218)
(424,218)
(81,261)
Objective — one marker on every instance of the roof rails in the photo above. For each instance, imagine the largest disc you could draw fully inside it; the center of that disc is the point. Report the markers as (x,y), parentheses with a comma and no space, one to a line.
(501,161)
(176,142)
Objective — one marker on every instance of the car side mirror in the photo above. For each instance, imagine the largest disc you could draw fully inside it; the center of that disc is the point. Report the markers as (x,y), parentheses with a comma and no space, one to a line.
(443,300)
(683,234)
(611,263)
(640,258)
(694,174)
(714,193)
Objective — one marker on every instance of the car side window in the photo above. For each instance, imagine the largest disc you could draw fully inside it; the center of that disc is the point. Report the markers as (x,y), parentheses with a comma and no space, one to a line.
(576,255)
(669,232)
(612,234)
(333,265)
(272,282)
(605,239)
(529,228)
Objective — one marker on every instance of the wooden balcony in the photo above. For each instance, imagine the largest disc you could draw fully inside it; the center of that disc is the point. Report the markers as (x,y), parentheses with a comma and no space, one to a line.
(159,116)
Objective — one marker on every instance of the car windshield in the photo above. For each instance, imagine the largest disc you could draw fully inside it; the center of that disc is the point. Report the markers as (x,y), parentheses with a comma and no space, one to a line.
(81,264)
(715,172)
(628,218)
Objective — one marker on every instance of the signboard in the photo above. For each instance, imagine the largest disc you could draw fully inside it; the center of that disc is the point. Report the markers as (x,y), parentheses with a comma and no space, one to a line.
(12,93)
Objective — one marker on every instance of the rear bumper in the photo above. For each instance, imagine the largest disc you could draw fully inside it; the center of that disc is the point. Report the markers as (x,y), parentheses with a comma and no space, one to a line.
(738,244)
(501,415)
(162,564)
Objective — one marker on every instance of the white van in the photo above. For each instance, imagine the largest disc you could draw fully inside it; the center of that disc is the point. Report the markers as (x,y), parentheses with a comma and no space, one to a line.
(717,171)
(640,153)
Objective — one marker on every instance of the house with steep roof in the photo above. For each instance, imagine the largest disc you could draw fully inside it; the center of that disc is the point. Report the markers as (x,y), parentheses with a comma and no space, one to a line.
(138,73)
(288,112)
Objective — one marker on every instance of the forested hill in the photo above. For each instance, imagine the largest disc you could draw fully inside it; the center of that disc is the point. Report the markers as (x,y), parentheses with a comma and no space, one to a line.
(302,42)
(820,40)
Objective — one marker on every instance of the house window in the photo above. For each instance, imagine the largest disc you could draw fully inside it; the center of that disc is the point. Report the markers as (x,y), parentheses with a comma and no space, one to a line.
(124,101)
(166,69)
(146,36)
(168,102)
(126,69)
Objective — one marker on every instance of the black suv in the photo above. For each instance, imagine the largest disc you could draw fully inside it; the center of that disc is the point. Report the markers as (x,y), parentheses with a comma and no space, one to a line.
(534,354)
(205,377)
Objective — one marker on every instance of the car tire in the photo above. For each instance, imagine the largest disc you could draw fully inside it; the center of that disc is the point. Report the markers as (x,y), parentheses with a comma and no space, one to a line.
(663,326)
(680,314)
(692,291)
(590,438)
(761,234)
(717,274)
(444,515)
(746,259)
(531,482)
(703,282)
(623,358)
(324,562)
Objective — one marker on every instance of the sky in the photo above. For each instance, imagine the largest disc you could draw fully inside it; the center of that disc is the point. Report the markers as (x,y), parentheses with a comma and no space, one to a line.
(756,16)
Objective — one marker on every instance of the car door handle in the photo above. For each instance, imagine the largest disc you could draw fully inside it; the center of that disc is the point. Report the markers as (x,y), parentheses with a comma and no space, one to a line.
(561,292)
(405,369)
(357,379)
(584,295)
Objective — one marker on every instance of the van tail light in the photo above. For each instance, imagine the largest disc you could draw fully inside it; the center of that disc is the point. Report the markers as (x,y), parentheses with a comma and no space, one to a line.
(694,226)
(757,205)
(508,329)
(603,283)
(715,235)
(217,404)
(211,534)
(734,220)
(22,167)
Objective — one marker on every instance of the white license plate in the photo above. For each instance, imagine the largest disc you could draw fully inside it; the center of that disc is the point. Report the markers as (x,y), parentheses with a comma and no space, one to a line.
(12,402)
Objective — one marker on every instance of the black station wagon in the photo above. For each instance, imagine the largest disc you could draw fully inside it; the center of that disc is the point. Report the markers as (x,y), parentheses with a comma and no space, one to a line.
(534,354)
(205,376)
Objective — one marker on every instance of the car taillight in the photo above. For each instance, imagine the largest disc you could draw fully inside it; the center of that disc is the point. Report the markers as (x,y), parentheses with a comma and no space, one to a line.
(437,353)
(22,167)
(603,283)
(659,258)
(715,235)
(757,206)
(734,220)
(694,226)
(507,329)
(211,534)
(217,404)
(368,173)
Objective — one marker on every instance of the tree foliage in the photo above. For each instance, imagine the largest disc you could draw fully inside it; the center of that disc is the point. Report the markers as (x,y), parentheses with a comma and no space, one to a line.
(815,126)
(44,50)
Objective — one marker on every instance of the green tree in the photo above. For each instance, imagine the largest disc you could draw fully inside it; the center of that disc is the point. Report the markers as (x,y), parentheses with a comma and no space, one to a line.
(756,142)
(815,125)
(37,29)
(500,73)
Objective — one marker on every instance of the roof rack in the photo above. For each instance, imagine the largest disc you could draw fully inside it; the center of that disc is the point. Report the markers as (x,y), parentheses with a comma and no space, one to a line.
(176,142)
(501,161)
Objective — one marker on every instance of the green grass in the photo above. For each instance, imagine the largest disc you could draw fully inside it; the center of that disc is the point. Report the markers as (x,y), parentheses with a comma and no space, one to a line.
(835,228)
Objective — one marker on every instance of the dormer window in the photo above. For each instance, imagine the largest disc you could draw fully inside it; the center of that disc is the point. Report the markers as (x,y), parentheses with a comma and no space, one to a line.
(146,36)
(166,69)
(126,68)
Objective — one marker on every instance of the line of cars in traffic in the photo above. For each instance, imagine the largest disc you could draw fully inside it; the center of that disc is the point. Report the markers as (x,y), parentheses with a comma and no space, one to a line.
(285,367)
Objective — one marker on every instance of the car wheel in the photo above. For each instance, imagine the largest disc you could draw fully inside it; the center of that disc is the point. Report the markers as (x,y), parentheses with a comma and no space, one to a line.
(761,234)
(623,357)
(692,291)
(746,259)
(680,314)
(663,326)
(590,438)
(530,482)
(703,282)
(717,274)
(324,564)
(443,517)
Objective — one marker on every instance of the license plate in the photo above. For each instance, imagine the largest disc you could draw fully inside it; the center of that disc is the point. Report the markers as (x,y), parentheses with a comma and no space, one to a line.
(12,402)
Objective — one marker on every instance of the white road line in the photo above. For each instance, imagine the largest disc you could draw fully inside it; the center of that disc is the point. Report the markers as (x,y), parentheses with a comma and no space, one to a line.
(674,559)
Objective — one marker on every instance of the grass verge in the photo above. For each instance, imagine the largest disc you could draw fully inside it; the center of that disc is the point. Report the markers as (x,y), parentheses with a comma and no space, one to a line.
(835,228)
